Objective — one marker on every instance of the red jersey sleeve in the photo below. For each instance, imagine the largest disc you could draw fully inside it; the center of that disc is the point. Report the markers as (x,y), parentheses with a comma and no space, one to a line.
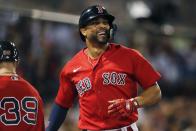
(65,96)
(145,74)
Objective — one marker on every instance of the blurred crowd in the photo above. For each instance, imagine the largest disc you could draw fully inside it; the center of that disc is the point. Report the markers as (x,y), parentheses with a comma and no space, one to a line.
(46,46)
(175,114)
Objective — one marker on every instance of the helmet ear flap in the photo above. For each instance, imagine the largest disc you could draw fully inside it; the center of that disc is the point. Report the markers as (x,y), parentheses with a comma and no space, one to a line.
(113,30)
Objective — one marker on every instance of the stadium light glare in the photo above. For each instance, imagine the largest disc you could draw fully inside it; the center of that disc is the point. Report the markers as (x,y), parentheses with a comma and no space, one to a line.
(138,9)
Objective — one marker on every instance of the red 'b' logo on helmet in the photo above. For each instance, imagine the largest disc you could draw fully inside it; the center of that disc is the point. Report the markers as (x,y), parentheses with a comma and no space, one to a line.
(100,9)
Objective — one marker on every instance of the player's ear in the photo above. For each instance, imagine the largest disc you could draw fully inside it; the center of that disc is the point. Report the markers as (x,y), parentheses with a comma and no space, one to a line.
(83,31)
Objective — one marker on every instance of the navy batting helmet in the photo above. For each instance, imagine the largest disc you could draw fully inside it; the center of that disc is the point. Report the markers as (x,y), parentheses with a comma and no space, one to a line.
(8,52)
(91,13)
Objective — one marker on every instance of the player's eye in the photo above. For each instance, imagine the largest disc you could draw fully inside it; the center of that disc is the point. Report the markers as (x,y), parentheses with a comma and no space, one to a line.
(94,23)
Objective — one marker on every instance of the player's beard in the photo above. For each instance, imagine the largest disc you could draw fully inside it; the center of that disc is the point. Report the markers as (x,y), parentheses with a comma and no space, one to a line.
(97,38)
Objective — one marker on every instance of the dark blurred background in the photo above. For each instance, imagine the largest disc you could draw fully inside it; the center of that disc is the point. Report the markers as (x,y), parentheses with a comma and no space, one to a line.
(46,33)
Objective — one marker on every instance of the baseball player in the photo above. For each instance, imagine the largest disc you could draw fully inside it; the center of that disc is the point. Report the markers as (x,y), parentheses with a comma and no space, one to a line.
(105,77)
(20,103)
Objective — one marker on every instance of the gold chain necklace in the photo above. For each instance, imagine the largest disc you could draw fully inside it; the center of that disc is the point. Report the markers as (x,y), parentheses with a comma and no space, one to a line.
(89,60)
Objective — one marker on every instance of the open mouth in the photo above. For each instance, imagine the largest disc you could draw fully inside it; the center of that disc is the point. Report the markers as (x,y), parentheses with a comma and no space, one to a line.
(102,33)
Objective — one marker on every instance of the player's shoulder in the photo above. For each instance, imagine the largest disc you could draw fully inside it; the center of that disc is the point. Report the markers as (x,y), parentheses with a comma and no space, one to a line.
(125,49)
(76,58)
(74,61)
(29,87)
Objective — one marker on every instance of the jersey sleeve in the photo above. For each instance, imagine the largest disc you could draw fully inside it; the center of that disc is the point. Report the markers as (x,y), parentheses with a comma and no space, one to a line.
(65,96)
(144,73)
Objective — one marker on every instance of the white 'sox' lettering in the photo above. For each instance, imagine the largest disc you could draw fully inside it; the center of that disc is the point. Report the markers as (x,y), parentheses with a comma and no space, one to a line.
(114,78)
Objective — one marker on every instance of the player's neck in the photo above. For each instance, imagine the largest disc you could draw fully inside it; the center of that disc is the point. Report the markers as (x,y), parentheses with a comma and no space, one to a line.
(7,70)
(94,51)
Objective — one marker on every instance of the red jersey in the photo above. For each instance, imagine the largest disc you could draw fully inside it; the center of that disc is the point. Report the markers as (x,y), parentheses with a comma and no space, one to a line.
(114,75)
(20,105)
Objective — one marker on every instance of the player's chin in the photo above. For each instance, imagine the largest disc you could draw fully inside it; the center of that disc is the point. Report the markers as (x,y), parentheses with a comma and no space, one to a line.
(103,40)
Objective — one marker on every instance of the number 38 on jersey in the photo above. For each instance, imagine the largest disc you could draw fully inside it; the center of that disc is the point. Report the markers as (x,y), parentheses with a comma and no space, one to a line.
(14,111)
